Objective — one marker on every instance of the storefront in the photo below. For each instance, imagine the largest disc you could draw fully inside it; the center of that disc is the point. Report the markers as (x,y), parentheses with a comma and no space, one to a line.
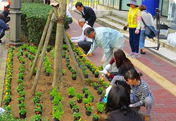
(172,14)
(164,6)
(122,5)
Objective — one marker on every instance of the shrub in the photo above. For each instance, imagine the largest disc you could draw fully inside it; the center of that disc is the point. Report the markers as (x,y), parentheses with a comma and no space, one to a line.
(28,1)
(34,17)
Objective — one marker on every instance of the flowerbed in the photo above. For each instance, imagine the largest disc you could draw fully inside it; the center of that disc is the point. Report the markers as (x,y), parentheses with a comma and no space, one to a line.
(69,102)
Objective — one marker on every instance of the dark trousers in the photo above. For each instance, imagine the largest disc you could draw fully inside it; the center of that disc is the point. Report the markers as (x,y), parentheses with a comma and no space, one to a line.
(70,20)
(7,19)
(91,24)
(47,2)
(134,40)
(85,45)
(2,34)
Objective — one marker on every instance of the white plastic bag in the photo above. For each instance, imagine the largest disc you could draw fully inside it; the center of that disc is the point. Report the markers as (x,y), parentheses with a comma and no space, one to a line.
(2,111)
(172,39)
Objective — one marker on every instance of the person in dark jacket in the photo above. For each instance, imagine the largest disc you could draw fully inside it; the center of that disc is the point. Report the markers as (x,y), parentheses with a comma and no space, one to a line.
(87,13)
(117,106)
(3,26)
(6,13)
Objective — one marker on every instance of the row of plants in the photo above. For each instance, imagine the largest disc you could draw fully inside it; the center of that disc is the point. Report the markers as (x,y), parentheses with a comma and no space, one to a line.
(56,98)
(38,106)
(47,66)
(88,104)
(20,87)
(8,79)
(86,64)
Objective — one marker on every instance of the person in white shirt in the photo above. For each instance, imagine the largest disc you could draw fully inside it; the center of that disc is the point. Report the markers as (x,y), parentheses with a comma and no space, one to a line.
(68,19)
(83,41)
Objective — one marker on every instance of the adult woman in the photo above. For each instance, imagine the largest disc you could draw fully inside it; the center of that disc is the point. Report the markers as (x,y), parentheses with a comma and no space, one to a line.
(117,106)
(133,23)
(148,19)
(141,93)
(123,64)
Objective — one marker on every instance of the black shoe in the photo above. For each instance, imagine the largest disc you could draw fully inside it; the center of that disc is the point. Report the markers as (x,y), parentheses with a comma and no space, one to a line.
(67,27)
(142,52)
(0,41)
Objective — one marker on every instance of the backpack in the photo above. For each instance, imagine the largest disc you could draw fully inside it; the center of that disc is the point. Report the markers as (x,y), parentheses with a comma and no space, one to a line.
(150,31)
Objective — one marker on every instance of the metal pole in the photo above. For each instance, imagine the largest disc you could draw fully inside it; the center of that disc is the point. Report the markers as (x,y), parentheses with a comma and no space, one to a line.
(15,23)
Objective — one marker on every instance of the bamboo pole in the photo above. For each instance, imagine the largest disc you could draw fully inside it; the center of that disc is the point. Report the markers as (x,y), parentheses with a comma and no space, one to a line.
(41,43)
(43,53)
(57,79)
(74,60)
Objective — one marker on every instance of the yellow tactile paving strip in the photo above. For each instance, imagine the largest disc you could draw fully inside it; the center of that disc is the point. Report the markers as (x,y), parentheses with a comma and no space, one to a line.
(170,87)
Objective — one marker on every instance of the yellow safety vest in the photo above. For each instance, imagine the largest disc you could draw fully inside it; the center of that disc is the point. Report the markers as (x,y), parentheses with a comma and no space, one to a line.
(131,20)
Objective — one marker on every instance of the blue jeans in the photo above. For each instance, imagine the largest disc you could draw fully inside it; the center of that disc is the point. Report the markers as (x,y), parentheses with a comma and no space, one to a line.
(134,40)
(142,39)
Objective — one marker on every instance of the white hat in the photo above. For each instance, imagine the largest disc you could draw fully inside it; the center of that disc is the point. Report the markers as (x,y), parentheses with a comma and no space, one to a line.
(132,2)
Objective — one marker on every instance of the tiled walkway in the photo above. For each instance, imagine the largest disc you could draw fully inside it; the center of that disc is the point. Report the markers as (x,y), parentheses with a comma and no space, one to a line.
(164,108)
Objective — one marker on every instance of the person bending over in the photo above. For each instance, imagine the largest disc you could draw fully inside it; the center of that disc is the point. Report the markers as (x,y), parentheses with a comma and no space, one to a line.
(87,13)
(83,41)
(108,39)
(123,64)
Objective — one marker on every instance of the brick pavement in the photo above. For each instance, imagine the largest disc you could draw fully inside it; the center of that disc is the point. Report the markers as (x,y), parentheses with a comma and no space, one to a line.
(164,108)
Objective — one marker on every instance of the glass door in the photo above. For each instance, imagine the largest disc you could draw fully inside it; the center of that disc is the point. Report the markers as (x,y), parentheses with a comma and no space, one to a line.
(165,7)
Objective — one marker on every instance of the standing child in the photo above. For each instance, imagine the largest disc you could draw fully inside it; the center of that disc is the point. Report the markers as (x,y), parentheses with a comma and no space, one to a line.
(141,93)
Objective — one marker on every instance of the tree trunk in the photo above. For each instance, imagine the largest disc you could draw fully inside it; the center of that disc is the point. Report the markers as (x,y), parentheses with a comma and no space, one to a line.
(57,79)
(43,54)
(41,43)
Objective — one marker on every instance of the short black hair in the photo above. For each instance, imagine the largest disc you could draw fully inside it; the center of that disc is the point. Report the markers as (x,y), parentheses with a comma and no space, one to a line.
(78,4)
(8,6)
(88,30)
(132,74)
(118,98)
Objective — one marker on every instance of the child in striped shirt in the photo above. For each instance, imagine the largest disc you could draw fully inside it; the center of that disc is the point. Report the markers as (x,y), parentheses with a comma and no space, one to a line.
(141,93)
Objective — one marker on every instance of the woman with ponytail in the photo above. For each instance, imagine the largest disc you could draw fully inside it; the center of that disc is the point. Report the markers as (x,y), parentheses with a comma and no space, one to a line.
(117,105)
(141,94)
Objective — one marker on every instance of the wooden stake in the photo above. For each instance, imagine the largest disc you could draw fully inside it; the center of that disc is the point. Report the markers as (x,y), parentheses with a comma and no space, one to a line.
(74,60)
(41,43)
(43,53)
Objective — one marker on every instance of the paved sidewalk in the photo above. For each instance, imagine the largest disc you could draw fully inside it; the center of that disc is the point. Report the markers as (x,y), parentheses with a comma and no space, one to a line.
(3,55)
(157,72)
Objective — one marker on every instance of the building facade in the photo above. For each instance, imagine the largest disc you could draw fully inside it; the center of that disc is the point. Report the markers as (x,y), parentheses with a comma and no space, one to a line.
(121,4)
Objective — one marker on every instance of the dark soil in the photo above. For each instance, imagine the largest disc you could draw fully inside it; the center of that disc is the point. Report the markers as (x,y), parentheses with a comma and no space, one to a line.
(45,86)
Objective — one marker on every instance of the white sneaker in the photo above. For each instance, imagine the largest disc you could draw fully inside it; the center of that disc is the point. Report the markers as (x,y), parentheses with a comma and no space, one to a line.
(136,55)
(131,54)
